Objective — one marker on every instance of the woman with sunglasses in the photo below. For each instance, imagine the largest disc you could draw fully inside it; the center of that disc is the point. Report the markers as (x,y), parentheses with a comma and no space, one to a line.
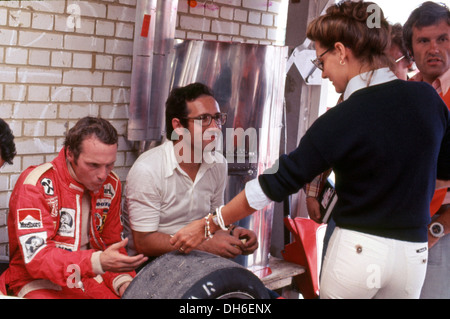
(387,143)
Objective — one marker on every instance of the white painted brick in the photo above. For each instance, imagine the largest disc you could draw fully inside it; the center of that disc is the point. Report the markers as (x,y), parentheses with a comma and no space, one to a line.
(33,128)
(15,167)
(16,126)
(77,111)
(20,18)
(102,95)
(179,34)
(117,46)
(225,27)
(15,92)
(82,60)
(32,160)
(183,7)
(64,24)
(3,16)
(16,56)
(2,55)
(114,111)
(240,15)
(253,31)
(236,3)
(38,93)
(39,57)
(260,5)
(82,94)
(37,75)
(6,109)
(4,184)
(44,6)
(122,63)
(87,26)
(212,10)
(61,93)
(105,28)
(195,35)
(124,30)
(83,43)
(120,159)
(128,2)
(88,9)
(34,111)
(42,21)
(195,24)
(275,6)
(1,92)
(40,40)
(267,19)
(86,78)
(254,17)
(61,59)
(117,79)
(227,13)
(103,62)
(121,95)
(8,37)
(56,128)
(276,35)
(209,37)
(121,13)
(35,145)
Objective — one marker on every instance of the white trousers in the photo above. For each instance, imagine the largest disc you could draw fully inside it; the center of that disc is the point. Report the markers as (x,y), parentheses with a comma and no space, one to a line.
(362,266)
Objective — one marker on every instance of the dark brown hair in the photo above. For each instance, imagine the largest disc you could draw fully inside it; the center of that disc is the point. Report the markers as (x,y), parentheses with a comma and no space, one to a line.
(86,128)
(427,14)
(176,106)
(348,22)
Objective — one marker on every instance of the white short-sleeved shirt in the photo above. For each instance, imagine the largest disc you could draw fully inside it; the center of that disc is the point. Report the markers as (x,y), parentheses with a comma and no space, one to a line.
(161,197)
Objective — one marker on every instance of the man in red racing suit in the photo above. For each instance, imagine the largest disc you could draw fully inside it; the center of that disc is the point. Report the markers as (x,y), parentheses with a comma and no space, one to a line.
(59,229)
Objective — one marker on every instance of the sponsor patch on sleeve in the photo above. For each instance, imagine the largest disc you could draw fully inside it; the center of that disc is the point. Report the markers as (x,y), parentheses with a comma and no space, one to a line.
(29,218)
(32,244)
(67,222)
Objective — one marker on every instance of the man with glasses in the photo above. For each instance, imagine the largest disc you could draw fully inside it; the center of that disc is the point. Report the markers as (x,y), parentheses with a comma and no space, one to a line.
(182,180)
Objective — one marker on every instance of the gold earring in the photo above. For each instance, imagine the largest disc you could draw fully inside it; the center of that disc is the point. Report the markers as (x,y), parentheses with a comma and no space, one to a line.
(342,62)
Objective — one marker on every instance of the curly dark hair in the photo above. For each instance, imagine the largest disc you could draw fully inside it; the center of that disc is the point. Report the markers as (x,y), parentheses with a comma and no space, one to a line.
(7,146)
(176,106)
(87,127)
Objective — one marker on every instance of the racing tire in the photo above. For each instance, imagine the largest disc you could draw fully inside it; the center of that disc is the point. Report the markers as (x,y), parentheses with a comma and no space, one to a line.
(198,275)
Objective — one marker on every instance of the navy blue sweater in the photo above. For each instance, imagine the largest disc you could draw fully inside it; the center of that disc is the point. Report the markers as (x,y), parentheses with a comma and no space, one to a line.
(387,144)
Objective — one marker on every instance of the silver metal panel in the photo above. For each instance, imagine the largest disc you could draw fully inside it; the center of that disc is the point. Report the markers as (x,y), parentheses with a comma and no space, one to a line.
(248,82)
(153,43)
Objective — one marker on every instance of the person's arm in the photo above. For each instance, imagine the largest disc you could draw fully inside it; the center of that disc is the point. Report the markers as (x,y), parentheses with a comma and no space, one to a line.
(192,235)
(152,243)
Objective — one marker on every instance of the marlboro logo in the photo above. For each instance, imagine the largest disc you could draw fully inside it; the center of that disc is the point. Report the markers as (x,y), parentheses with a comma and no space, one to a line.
(29,218)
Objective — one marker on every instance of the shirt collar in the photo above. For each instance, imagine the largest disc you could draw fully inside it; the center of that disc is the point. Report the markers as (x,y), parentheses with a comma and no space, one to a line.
(367,79)
(209,159)
(443,81)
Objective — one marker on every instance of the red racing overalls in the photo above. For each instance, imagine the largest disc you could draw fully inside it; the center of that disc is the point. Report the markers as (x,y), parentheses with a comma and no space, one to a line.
(44,227)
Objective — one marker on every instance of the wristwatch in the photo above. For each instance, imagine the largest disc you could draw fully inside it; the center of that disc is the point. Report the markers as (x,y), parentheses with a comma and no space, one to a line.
(437,230)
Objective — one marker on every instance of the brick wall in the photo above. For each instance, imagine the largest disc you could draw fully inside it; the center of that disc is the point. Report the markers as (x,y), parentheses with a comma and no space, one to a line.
(61,60)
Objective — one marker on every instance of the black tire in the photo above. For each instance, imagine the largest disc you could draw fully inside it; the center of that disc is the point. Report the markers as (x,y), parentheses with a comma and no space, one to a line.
(198,275)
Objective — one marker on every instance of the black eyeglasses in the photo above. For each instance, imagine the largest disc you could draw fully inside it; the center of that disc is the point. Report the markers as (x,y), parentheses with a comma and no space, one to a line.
(219,118)
(318,63)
